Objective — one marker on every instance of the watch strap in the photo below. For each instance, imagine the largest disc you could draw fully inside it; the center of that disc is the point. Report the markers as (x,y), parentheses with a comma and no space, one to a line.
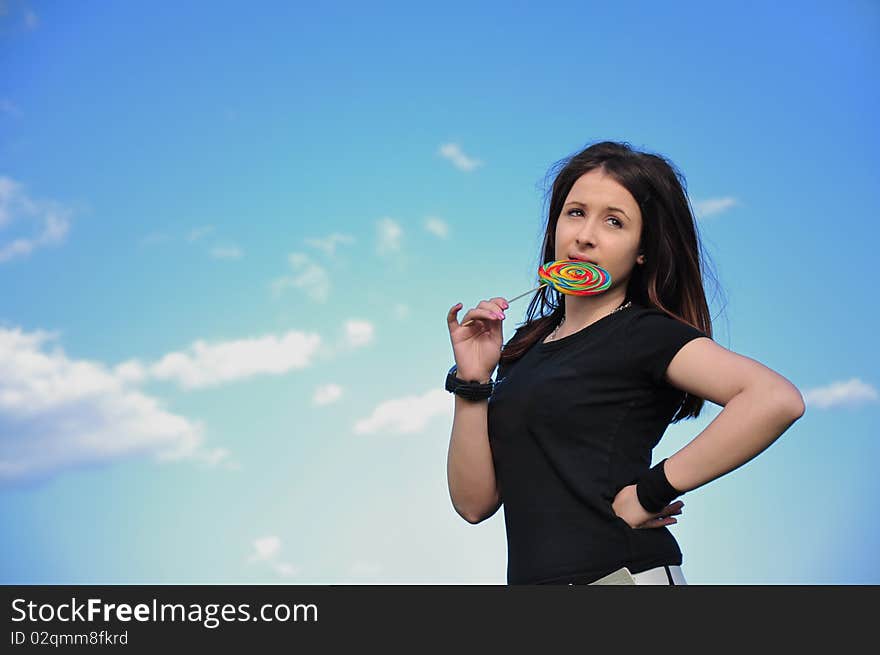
(468,389)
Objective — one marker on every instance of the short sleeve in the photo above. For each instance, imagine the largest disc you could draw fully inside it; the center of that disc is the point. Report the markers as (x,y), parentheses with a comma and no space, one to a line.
(653,340)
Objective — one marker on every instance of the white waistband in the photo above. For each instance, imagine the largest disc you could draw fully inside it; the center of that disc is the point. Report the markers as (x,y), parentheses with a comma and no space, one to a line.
(658,575)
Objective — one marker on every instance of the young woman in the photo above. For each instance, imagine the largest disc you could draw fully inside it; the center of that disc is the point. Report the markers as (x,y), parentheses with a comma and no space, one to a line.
(587,386)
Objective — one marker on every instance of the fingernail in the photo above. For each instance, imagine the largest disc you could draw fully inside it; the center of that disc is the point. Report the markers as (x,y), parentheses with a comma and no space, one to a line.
(501,315)
(506,305)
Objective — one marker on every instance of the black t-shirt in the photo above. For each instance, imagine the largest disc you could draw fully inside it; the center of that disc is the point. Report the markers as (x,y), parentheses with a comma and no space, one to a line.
(572,422)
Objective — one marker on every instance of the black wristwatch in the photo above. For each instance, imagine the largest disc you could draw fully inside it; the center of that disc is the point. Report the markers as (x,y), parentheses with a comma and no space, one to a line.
(469,390)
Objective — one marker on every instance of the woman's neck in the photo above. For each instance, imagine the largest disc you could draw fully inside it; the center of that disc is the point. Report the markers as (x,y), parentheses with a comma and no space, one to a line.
(581,311)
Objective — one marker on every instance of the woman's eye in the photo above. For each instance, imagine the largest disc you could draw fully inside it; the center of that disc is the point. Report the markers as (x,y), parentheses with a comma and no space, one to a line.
(617,221)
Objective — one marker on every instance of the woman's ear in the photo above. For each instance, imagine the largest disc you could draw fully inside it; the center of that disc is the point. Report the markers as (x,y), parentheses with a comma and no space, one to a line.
(641,258)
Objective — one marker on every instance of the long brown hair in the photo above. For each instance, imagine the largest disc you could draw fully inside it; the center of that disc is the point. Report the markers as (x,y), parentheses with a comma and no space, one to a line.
(671,279)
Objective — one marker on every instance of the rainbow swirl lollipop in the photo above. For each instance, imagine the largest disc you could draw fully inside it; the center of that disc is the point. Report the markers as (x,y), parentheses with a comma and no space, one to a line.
(570,276)
(575,278)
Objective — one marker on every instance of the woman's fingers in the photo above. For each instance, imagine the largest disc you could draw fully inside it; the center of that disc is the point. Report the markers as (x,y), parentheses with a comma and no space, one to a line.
(452,315)
(665,516)
(658,522)
(495,308)
(489,317)
(482,313)
(672,508)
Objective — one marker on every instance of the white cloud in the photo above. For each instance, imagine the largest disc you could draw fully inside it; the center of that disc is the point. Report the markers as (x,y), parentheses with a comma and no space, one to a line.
(406,415)
(50,219)
(132,372)
(57,413)
(714,206)
(210,364)
(307,275)
(358,332)
(198,232)
(286,569)
(267,550)
(326,394)
(437,226)
(389,235)
(453,152)
(226,252)
(328,244)
(849,393)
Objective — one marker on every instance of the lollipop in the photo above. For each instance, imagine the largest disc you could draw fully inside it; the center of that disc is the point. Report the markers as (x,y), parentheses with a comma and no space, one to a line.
(575,278)
(571,277)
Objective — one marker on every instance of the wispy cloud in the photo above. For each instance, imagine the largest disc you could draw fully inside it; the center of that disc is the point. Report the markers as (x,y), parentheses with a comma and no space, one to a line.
(390,234)
(267,550)
(358,333)
(327,394)
(209,364)
(437,226)
(328,244)
(217,251)
(154,238)
(9,107)
(846,393)
(407,415)
(198,232)
(226,252)
(49,221)
(31,20)
(58,413)
(713,206)
(454,153)
(307,275)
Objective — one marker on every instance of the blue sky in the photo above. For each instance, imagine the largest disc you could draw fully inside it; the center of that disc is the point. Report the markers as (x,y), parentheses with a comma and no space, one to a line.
(229,237)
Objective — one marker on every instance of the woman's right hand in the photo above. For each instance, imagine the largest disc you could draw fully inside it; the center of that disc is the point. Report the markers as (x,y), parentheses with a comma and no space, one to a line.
(477,347)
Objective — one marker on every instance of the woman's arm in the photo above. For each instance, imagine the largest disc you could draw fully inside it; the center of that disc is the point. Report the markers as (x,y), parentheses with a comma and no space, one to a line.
(470,470)
(759,405)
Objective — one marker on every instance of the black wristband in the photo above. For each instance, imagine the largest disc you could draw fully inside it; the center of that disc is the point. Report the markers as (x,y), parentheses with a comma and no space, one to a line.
(654,491)
(469,390)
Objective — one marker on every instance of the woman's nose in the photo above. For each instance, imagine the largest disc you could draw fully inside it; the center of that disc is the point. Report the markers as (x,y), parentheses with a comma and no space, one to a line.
(587,234)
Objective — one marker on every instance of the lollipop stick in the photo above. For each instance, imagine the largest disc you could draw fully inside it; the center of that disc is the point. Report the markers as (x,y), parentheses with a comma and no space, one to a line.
(471,320)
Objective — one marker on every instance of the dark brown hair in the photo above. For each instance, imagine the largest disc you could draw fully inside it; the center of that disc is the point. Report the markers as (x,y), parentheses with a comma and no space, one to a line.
(671,279)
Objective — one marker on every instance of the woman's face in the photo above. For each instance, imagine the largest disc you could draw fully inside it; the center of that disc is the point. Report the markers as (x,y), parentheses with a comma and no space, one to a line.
(601,223)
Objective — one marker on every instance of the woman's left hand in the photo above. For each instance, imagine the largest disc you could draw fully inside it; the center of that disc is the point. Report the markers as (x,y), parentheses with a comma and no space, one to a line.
(627,506)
